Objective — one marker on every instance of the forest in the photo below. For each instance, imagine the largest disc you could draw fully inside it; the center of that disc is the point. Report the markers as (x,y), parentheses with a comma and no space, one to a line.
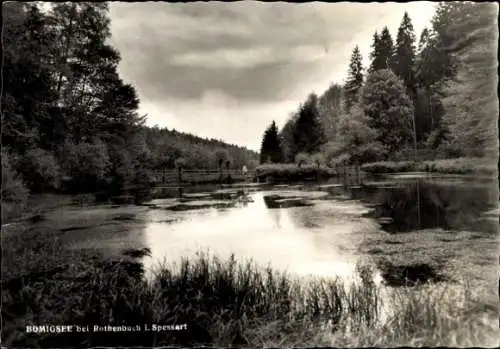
(70,122)
(435,99)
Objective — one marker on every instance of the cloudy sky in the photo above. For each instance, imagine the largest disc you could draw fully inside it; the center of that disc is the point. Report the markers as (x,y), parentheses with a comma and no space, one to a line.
(226,70)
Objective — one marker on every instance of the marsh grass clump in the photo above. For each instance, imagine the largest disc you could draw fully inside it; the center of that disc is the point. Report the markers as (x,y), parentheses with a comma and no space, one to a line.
(292,172)
(389,166)
(481,166)
(459,166)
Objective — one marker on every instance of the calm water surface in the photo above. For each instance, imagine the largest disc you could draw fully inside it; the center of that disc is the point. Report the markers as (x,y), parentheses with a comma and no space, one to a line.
(320,239)
(432,229)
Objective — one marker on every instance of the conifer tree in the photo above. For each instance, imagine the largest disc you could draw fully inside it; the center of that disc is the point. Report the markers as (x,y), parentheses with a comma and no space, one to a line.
(382,51)
(404,57)
(271,150)
(308,133)
(354,79)
(375,53)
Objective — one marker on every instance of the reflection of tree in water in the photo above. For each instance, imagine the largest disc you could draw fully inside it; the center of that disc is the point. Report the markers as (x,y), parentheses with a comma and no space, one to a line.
(304,218)
(423,205)
(270,202)
(275,212)
(276,216)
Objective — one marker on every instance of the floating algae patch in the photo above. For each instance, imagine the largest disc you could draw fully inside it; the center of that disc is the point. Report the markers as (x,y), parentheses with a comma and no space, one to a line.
(432,255)
(230,194)
(277,201)
(137,252)
(71,219)
(201,204)
(293,202)
(125,217)
(64,230)
(93,212)
(410,275)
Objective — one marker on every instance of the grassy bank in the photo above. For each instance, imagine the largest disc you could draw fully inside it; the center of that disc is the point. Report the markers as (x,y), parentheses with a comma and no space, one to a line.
(292,172)
(462,166)
(222,302)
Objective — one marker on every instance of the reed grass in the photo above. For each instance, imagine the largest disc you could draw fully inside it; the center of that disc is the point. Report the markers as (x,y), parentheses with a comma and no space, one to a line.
(229,303)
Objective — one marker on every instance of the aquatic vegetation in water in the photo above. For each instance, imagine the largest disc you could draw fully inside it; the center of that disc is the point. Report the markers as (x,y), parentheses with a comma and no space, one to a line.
(125,217)
(410,275)
(137,253)
(277,201)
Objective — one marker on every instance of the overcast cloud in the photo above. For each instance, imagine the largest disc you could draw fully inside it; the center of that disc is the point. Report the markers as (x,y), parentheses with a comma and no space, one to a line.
(226,70)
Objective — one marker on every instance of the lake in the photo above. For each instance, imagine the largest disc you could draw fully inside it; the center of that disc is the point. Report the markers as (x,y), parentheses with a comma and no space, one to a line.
(413,230)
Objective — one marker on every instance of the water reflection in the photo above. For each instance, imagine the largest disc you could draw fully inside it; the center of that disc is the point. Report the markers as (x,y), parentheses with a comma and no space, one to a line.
(319,229)
(255,232)
(424,205)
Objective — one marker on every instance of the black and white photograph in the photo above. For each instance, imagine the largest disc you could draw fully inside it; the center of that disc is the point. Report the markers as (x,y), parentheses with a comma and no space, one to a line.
(250,174)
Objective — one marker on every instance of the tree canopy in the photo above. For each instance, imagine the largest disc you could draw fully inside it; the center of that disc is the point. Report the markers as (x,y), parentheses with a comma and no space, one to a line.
(439,97)
(69,120)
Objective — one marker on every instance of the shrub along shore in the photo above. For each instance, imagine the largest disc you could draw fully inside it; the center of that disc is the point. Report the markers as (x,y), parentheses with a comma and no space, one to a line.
(460,166)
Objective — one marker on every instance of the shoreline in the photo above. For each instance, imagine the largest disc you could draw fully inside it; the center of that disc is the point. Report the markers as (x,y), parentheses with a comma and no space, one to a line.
(465,167)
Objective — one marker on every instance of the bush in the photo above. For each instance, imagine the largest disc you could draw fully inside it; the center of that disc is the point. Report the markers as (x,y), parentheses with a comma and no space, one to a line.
(41,170)
(340,159)
(252,165)
(290,172)
(302,159)
(121,167)
(14,192)
(221,157)
(332,150)
(180,163)
(389,167)
(318,159)
(480,166)
(86,165)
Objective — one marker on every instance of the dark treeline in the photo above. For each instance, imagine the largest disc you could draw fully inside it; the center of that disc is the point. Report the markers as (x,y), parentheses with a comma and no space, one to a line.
(69,121)
(170,148)
(435,98)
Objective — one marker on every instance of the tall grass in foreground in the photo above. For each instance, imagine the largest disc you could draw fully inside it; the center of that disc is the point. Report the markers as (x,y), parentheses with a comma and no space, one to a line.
(229,303)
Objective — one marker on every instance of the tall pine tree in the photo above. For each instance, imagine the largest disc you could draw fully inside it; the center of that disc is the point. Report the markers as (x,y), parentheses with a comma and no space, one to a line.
(354,79)
(308,133)
(383,51)
(375,53)
(404,57)
(271,150)
(286,137)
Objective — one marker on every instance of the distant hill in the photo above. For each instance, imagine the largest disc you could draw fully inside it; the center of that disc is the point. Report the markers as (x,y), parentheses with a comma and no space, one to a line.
(168,146)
